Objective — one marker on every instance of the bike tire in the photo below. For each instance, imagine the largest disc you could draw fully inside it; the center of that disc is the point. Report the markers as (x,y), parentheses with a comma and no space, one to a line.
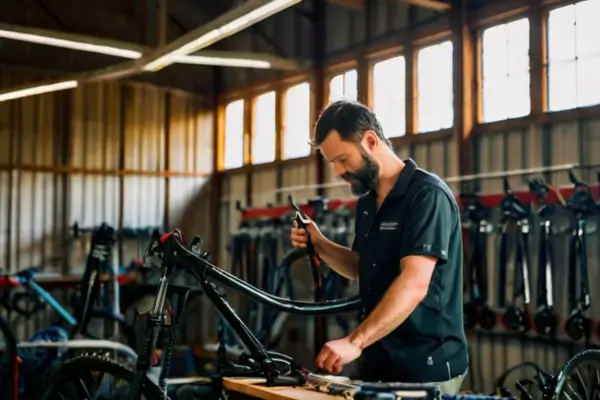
(77,368)
(586,356)
(8,360)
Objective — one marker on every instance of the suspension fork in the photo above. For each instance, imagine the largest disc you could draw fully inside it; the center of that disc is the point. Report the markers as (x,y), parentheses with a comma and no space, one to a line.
(577,325)
(545,319)
(517,318)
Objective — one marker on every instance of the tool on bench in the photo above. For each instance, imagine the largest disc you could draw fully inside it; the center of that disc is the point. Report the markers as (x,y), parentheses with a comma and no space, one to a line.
(582,206)
(514,212)
(545,319)
(302,221)
(477,310)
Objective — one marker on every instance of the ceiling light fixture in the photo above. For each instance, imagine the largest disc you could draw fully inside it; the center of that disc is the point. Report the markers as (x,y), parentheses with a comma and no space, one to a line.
(250,13)
(35,90)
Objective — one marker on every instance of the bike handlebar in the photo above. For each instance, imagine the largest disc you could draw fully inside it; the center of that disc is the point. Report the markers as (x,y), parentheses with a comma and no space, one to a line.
(170,249)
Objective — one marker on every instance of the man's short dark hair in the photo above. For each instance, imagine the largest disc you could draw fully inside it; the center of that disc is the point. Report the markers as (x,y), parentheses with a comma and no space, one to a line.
(350,119)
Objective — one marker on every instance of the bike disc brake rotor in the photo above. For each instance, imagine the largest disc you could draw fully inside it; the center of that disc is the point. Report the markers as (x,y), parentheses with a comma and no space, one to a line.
(582,382)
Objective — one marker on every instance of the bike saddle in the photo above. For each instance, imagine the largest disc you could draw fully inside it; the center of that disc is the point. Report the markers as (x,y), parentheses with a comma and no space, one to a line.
(515,320)
(545,321)
(28,273)
(511,207)
(582,201)
(577,325)
(487,317)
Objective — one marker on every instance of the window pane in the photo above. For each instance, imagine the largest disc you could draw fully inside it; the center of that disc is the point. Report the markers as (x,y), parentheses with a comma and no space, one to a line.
(561,34)
(494,99)
(344,86)
(234,135)
(588,81)
(562,90)
(518,46)
(434,82)
(518,99)
(336,88)
(263,141)
(389,95)
(495,49)
(351,85)
(587,28)
(506,71)
(297,122)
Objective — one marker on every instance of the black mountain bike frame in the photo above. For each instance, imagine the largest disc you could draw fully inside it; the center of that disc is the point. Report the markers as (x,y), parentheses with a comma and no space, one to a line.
(170,252)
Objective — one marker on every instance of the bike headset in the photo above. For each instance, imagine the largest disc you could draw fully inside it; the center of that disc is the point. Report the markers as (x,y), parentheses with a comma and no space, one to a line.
(582,206)
(514,212)
(545,319)
(477,309)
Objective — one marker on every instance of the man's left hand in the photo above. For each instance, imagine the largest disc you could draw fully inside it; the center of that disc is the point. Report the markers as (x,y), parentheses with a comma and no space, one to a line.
(337,353)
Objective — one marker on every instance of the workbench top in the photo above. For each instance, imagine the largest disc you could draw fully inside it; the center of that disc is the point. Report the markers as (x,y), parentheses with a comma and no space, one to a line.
(255,387)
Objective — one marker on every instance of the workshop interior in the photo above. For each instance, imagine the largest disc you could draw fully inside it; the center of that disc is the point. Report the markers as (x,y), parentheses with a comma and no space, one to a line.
(154,155)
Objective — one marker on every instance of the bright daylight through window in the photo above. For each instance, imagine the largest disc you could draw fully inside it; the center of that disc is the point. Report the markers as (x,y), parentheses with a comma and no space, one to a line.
(297,122)
(434,83)
(574,56)
(505,74)
(263,139)
(389,95)
(344,86)
(234,135)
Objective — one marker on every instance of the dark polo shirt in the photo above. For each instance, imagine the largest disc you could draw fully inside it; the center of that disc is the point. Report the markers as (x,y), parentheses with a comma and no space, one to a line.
(419,216)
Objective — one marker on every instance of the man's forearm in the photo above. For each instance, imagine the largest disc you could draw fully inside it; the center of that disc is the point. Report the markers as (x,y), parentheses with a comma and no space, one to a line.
(397,304)
(341,259)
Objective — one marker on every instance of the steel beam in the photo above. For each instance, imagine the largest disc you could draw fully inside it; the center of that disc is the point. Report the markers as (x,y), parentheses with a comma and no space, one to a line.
(431,4)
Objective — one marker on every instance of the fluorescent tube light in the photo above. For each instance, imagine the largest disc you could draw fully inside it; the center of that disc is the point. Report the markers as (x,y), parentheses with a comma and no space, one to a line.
(70,44)
(223,62)
(225,30)
(35,90)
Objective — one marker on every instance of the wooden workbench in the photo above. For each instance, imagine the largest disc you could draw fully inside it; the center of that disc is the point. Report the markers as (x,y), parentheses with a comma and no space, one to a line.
(255,387)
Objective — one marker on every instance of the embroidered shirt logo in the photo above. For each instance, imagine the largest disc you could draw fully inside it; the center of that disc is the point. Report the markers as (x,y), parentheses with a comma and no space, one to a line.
(388,226)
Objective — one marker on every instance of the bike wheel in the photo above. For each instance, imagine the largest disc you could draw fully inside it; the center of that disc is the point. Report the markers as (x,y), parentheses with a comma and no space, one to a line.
(571,382)
(85,378)
(8,357)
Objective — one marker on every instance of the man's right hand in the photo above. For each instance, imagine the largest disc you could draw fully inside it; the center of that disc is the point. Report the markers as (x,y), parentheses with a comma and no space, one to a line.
(299,236)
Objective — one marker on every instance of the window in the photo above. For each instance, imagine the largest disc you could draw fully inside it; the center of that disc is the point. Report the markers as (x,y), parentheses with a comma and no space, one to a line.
(297,122)
(234,135)
(263,139)
(505,91)
(344,86)
(389,95)
(574,56)
(434,85)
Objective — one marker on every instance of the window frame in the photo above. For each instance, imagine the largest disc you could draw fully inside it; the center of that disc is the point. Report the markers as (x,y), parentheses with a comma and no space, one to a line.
(373,61)
(243,100)
(284,92)
(254,118)
(480,68)
(333,73)
(546,60)
(417,49)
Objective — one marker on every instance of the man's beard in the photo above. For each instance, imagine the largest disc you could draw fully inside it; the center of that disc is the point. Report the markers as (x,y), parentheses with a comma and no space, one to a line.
(365,179)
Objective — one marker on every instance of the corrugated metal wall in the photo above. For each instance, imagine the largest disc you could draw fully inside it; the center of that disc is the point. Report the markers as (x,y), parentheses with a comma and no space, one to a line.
(536,146)
(101,153)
